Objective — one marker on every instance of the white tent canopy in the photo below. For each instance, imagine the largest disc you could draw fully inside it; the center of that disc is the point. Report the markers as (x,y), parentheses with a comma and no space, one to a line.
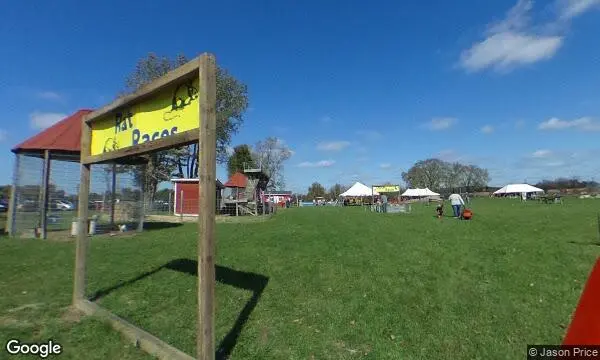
(518,189)
(419,192)
(359,189)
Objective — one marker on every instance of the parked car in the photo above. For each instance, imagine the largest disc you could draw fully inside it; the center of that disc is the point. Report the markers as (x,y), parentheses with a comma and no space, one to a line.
(3,206)
(27,206)
(64,205)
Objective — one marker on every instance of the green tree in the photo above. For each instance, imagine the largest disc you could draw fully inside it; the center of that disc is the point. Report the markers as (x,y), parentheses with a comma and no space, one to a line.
(336,190)
(315,190)
(4,191)
(241,154)
(232,102)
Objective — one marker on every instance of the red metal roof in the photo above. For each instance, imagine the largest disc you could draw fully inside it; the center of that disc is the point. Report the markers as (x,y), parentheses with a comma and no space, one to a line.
(237,180)
(65,135)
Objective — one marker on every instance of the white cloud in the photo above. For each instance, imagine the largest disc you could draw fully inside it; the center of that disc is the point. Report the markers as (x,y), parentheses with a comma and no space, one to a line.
(487,129)
(2,135)
(49,95)
(508,49)
(438,124)
(548,164)
(511,42)
(43,120)
(385,166)
(572,8)
(333,145)
(229,150)
(582,124)
(541,153)
(317,164)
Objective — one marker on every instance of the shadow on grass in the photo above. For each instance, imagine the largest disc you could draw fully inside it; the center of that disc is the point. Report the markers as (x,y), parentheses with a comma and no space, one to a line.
(157,225)
(239,279)
(595,243)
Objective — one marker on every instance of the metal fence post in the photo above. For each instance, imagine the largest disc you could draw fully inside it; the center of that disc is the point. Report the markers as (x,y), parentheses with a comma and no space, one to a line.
(11,221)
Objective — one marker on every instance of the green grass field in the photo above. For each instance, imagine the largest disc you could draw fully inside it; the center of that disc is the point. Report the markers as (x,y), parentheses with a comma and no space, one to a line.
(323,283)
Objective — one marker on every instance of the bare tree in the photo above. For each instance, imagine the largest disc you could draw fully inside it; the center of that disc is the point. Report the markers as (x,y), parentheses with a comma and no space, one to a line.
(437,174)
(430,173)
(271,155)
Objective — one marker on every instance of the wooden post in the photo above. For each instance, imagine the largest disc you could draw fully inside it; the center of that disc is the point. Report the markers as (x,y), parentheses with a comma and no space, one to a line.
(11,220)
(205,341)
(181,205)
(372,197)
(113,195)
(79,281)
(142,213)
(44,195)
(170,200)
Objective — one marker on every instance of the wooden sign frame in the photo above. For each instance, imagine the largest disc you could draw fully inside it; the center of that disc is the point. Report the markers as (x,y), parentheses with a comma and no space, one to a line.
(203,67)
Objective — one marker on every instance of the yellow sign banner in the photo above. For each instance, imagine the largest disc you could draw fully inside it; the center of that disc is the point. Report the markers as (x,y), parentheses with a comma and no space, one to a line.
(171,111)
(387,188)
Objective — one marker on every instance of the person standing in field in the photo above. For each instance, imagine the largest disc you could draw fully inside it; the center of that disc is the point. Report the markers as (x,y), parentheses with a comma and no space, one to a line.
(457,201)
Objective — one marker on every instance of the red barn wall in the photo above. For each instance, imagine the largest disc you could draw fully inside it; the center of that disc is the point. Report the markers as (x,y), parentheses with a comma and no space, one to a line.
(190,198)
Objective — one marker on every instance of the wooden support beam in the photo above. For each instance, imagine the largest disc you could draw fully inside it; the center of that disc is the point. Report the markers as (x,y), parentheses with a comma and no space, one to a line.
(185,71)
(44,196)
(113,195)
(181,139)
(140,338)
(143,200)
(206,209)
(81,251)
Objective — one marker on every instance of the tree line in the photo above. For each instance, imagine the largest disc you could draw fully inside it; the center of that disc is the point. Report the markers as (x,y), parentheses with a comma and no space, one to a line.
(565,183)
(439,175)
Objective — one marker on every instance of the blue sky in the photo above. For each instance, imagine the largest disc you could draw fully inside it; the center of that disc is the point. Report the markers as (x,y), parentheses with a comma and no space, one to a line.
(357,91)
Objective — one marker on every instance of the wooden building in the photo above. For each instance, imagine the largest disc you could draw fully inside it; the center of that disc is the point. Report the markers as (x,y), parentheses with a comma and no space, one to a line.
(186,193)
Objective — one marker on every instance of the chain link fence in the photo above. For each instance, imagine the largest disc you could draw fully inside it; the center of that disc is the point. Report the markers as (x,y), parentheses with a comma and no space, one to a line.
(27,181)
(115,199)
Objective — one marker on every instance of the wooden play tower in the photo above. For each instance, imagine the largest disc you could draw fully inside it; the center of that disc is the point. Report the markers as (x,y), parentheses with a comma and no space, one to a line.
(249,202)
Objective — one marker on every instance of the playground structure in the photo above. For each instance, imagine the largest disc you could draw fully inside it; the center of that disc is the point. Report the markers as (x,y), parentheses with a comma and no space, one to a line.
(44,197)
(246,189)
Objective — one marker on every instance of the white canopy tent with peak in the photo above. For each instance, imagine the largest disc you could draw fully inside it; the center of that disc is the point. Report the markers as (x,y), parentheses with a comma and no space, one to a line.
(517,189)
(358,190)
(419,193)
